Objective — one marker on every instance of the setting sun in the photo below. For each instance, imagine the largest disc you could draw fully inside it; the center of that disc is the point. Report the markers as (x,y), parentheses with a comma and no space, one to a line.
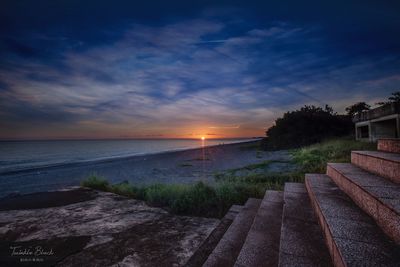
(203,138)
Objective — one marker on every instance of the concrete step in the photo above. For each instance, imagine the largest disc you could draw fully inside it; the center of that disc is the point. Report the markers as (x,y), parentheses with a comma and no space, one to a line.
(302,242)
(389,145)
(261,247)
(382,163)
(377,196)
(228,248)
(201,254)
(353,237)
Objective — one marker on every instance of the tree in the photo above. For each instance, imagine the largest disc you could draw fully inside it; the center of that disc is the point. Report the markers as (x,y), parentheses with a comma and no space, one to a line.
(394,98)
(308,125)
(357,108)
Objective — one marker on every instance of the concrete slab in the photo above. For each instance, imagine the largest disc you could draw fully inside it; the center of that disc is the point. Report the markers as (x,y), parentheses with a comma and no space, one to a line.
(302,242)
(96,229)
(228,248)
(261,247)
(377,196)
(351,242)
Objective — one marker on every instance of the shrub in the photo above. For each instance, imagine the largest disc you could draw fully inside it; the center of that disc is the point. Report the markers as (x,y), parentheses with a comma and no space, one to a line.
(199,199)
(163,194)
(96,182)
(306,126)
(125,189)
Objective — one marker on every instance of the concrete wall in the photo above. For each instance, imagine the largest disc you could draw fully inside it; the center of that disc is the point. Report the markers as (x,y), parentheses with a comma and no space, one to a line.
(385,127)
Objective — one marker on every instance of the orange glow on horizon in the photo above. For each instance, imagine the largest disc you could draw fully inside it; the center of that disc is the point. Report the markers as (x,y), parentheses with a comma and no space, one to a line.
(203,138)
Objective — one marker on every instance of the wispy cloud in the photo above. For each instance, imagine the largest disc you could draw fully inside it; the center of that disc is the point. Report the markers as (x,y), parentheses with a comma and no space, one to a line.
(225,127)
(185,77)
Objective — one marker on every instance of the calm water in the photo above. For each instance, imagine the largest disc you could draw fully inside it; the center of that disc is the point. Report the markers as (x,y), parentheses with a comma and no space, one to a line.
(17,155)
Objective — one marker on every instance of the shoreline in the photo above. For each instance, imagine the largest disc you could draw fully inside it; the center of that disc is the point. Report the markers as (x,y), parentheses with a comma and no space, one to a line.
(176,167)
(112,158)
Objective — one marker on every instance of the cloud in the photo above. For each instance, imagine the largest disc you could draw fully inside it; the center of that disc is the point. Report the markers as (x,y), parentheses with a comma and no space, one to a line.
(225,127)
(187,76)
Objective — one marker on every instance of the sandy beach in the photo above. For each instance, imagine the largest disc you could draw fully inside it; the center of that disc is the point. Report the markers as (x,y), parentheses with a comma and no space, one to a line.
(170,167)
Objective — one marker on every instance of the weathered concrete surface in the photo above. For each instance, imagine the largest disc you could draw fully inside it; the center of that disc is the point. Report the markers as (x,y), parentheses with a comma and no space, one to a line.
(389,145)
(302,242)
(261,247)
(228,248)
(381,163)
(103,230)
(377,196)
(352,236)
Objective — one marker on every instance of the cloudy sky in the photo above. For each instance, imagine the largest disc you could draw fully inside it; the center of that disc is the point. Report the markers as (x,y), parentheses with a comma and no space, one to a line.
(143,69)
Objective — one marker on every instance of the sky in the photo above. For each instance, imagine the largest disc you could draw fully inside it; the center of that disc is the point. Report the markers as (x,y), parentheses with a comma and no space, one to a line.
(185,69)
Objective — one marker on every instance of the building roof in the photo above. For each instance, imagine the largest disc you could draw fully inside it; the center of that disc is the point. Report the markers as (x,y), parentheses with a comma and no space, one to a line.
(385,110)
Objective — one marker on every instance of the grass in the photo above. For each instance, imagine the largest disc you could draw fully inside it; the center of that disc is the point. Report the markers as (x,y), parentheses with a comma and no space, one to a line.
(201,199)
(313,159)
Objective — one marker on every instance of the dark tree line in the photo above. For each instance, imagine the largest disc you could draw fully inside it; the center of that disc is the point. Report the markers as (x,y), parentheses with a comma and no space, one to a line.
(308,125)
(312,124)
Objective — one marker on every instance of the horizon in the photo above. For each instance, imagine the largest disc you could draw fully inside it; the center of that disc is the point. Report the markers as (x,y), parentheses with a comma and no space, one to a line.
(134,138)
(178,70)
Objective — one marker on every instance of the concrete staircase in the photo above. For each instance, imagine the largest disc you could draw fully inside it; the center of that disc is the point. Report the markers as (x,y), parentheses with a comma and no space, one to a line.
(349,216)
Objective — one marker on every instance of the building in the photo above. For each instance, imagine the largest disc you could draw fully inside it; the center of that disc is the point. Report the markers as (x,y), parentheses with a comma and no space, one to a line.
(381,122)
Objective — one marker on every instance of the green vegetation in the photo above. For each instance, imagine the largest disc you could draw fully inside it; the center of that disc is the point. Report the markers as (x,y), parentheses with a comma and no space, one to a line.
(306,126)
(96,182)
(357,108)
(201,199)
(311,124)
(197,199)
(313,159)
(394,98)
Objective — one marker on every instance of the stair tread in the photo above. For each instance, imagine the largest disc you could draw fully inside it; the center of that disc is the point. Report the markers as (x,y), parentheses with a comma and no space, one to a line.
(228,248)
(261,247)
(236,208)
(381,188)
(358,238)
(233,211)
(301,237)
(380,154)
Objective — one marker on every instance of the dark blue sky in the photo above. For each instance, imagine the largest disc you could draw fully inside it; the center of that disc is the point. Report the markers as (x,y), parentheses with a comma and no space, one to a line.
(94,69)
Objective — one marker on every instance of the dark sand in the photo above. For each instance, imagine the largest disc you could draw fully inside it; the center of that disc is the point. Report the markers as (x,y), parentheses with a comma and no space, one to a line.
(171,167)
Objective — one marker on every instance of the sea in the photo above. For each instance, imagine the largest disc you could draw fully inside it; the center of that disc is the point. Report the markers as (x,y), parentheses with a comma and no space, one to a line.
(25,155)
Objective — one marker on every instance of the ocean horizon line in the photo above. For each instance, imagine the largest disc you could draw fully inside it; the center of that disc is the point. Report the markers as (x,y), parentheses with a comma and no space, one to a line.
(127,139)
